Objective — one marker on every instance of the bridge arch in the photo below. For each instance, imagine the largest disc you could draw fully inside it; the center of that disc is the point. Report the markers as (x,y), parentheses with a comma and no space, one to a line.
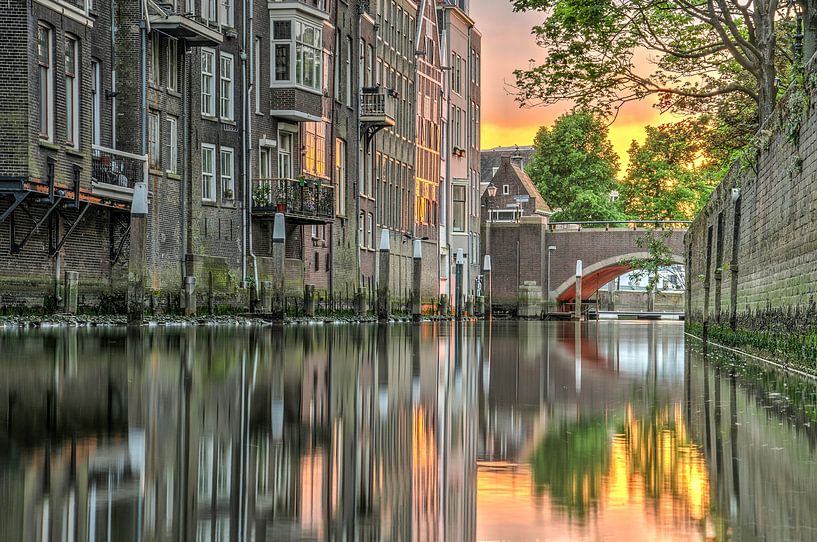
(600,273)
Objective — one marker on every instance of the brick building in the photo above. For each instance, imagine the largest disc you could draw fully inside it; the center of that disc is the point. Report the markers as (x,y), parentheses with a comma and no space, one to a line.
(461,49)
(231,111)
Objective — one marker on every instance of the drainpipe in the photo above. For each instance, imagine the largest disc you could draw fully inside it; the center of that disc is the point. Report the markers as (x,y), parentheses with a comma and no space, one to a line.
(185,249)
(249,29)
(245,143)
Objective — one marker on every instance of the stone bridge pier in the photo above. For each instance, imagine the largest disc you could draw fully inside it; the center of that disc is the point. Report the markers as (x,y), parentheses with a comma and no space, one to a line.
(530,254)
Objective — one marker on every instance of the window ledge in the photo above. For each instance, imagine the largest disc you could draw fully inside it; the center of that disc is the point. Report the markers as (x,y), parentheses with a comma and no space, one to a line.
(73,151)
(208,117)
(174,176)
(209,203)
(174,93)
(228,122)
(155,171)
(48,145)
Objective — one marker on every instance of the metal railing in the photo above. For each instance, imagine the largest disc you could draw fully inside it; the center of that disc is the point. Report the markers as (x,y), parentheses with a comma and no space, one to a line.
(627,224)
(377,105)
(303,198)
(117,168)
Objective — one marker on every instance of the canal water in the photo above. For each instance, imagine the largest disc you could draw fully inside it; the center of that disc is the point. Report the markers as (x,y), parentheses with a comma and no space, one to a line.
(511,431)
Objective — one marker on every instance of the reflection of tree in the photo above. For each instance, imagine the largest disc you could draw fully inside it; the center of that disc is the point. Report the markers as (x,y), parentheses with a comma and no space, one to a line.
(571,462)
(645,459)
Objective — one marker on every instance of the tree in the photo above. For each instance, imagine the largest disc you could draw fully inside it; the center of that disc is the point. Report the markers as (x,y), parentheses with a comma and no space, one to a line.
(659,257)
(574,167)
(701,52)
(672,173)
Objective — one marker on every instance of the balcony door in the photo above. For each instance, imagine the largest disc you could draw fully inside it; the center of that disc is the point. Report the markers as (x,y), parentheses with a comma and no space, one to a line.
(285,155)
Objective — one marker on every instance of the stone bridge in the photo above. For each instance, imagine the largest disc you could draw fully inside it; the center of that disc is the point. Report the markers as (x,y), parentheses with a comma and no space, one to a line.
(520,253)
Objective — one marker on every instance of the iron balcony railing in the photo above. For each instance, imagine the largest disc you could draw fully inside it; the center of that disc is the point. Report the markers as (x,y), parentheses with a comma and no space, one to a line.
(377,106)
(309,199)
(117,168)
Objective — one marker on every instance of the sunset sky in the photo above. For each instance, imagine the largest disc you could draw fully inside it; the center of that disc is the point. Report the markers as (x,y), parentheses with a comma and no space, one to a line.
(508,44)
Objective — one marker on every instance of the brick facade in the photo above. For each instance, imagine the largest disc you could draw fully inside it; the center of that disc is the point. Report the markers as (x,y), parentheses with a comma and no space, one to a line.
(126,79)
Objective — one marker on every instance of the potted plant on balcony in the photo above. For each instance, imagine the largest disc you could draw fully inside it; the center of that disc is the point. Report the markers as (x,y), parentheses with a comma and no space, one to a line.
(261,195)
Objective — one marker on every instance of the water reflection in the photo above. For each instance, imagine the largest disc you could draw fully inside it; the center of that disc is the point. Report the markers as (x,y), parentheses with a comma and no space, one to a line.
(515,431)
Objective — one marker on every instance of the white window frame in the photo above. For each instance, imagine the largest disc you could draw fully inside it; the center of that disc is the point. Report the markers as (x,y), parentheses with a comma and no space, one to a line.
(208,79)
(226,87)
(506,189)
(72,96)
(172,145)
(257,44)
(154,139)
(96,102)
(45,64)
(155,71)
(264,162)
(285,154)
(370,230)
(227,175)
(208,178)
(172,64)
(454,207)
(226,12)
(297,49)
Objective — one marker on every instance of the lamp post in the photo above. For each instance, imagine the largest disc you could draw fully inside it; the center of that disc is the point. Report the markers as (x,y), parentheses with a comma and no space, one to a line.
(551,250)
(489,204)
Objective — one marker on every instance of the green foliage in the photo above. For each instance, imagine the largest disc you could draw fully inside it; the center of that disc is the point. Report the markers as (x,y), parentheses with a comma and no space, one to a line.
(694,56)
(659,257)
(574,168)
(672,173)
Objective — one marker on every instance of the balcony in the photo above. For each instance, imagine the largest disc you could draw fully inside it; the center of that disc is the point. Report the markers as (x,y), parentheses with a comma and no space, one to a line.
(377,107)
(303,201)
(114,173)
(316,9)
(184,26)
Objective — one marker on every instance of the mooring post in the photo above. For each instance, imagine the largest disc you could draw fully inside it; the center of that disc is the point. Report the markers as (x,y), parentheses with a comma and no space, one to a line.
(278,311)
(416,294)
(309,300)
(486,270)
(459,273)
(190,304)
(383,301)
(578,314)
(71,291)
(138,252)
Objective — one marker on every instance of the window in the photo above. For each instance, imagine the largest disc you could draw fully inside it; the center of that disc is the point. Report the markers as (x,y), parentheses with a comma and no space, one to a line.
(265,163)
(306,42)
(506,189)
(226,12)
(257,74)
(340,177)
(458,200)
(349,71)
(154,154)
(309,56)
(96,102)
(315,147)
(172,64)
(282,37)
(370,229)
(226,86)
(284,155)
(155,52)
(173,145)
(72,91)
(361,229)
(45,46)
(209,10)
(208,97)
(208,167)
(227,173)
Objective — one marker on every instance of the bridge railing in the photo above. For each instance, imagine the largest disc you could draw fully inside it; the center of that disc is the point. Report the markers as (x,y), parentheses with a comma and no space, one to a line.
(621,224)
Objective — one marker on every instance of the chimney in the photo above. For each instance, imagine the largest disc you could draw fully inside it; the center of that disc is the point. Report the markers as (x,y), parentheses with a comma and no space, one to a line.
(505,161)
(517,159)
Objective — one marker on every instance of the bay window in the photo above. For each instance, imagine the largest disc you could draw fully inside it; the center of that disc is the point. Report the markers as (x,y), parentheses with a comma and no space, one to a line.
(297,52)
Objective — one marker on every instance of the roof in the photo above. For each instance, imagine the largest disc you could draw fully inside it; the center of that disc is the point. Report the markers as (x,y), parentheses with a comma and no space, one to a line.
(531,189)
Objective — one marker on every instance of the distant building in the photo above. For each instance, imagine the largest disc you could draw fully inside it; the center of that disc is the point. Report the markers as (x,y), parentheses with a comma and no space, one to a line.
(490,159)
(515,195)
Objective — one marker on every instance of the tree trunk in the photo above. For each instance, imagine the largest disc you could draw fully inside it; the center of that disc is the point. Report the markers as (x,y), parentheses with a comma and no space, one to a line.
(809,31)
(767,73)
